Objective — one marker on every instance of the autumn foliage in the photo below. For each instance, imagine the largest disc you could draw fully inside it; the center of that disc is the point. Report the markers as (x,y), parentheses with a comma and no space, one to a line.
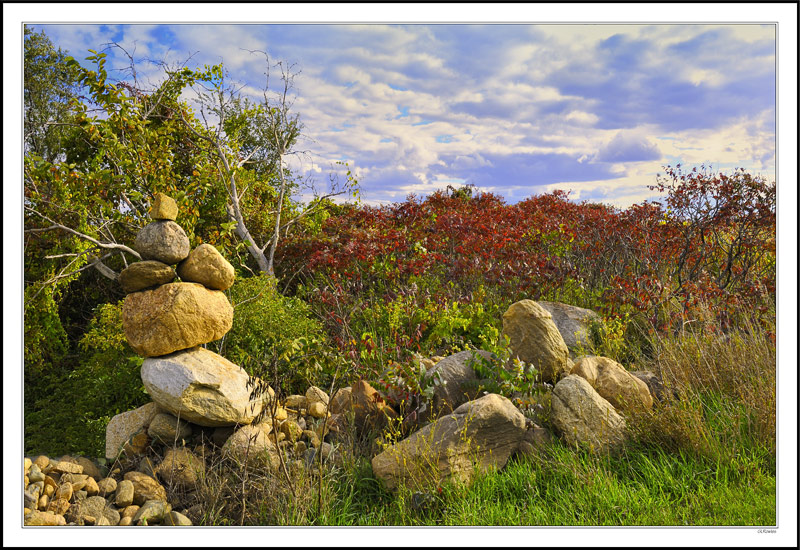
(710,243)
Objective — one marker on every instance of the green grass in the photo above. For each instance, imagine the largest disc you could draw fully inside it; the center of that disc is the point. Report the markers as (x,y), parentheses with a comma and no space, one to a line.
(563,487)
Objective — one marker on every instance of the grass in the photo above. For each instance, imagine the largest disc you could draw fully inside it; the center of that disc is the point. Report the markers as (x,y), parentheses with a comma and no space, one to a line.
(705,456)
(560,487)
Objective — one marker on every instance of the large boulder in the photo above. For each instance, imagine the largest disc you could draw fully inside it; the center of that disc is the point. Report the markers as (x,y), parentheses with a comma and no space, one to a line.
(458,380)
(141,275)
(205,265)
(251,445)
(573,323)
(200,386)
(615,384)
(174,317)
(163,241)
(583,417)
(482,433)
(125,425)
(535,339)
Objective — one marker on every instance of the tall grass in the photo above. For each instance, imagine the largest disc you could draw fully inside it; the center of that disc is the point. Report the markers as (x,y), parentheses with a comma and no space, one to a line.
(721,391)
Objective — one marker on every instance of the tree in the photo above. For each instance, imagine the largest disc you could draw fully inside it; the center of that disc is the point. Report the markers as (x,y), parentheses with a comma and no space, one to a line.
(49,86)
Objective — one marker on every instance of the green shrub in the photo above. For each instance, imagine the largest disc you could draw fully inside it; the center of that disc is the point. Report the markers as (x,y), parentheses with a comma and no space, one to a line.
(269,327)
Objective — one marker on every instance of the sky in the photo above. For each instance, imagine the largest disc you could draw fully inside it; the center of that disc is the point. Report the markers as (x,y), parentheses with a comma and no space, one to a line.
(596,104)
(515,109)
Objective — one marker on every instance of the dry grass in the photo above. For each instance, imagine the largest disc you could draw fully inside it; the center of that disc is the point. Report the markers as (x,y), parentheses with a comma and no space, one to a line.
(721,390)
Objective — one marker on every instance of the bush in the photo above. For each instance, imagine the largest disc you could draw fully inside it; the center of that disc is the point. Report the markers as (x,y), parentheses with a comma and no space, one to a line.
(268,327)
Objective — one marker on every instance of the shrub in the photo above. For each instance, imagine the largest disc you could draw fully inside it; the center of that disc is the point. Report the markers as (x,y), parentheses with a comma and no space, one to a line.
(268,326)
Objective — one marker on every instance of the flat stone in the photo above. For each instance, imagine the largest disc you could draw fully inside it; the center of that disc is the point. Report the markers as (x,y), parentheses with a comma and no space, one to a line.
(35,517)
(141,275)
(125,425)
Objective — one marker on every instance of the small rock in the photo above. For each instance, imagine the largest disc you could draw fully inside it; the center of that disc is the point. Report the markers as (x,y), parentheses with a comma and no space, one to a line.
(124,496)
(292,430)
(42,461)
(64,491)
(152,511)
(43,501)
(103,521)
(163,207)
(205,265)
(28,465)
(300,448)
(58,506)
(316,395)
(124,522)
(35,474)
(176,518)
(181,468)
(31,499)
(92,507)
(145,488)
(163,241)
(64,467)
(318,409)
(341,401)
(35,517)
(91,487)
(89,520)
(106,486)
(130,511)
(79,495)
(296,402)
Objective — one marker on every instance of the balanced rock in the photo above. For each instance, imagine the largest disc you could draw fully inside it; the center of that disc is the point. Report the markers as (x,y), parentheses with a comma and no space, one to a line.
(167,429)
(583,417)
(484,432)
(174,317)
(205,265)
(251,445)
(615,384)
(163,207)
(202,387)
(535,339)
(458,379)
(141,275)
(163,241)
(573,323)
(125,425)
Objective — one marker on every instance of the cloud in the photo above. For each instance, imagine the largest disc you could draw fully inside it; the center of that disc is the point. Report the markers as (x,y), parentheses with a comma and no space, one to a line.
(628,147)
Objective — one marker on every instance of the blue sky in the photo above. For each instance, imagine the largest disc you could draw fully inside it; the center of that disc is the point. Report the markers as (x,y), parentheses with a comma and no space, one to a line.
(516,109)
